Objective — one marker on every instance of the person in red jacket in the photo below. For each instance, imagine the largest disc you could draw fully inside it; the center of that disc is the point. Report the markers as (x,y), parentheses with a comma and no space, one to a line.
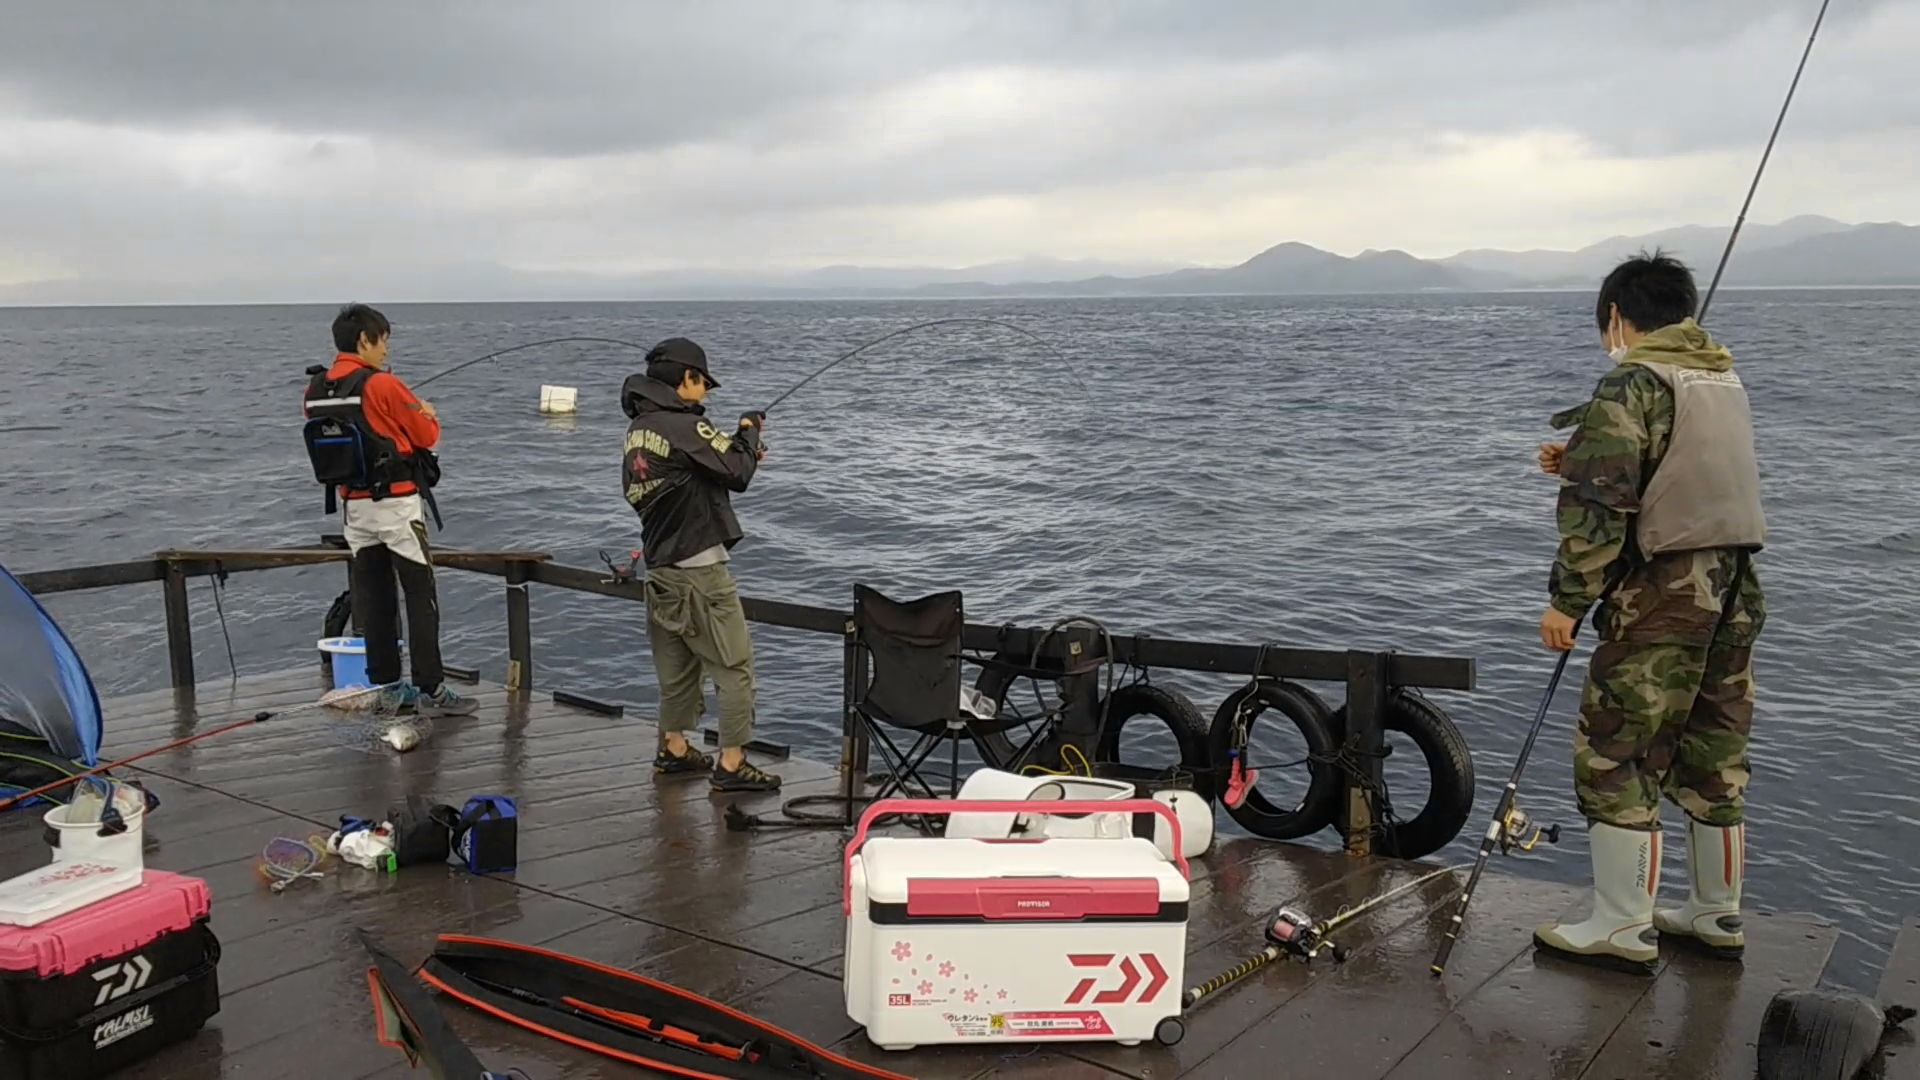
(377,438)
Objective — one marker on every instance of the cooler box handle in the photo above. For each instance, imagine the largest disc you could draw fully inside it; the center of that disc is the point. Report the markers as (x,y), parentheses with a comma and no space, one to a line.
(886,807)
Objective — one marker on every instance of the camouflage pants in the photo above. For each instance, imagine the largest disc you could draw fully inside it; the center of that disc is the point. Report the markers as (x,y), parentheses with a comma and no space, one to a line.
(1662,718)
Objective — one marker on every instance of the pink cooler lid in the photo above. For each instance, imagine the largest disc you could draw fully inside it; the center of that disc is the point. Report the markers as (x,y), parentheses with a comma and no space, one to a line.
(163,904)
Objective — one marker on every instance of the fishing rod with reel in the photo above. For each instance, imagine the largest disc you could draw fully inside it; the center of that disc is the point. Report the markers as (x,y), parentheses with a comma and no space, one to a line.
(1295,935)
(1509,822)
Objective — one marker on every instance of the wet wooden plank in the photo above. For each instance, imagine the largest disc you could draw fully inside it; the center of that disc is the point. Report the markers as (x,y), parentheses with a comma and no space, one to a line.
(620,867)
(1337,1026)
(1703,1016)
(1900,985)
(298,991)
(1228,928)
(1542,1017)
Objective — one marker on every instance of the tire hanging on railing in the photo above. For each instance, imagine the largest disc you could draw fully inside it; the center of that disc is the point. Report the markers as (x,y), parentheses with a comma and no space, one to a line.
(1449,769)
(1178,712)
(1318,806)
(1182,718)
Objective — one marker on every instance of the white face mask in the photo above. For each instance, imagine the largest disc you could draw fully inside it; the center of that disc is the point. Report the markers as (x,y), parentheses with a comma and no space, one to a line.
(1616,352)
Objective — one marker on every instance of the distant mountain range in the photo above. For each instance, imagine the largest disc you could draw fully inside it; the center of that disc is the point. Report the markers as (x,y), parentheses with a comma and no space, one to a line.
(1807,251)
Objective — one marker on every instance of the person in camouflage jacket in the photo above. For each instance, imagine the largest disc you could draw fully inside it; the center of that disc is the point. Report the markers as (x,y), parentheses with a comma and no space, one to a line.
(1668,704)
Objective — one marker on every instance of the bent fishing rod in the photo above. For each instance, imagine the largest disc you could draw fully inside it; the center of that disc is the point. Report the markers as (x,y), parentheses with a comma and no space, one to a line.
(1508,822)
(822,370)
(1764,155)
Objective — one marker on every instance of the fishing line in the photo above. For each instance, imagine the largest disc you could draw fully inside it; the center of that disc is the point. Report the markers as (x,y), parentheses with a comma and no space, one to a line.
(1767,153)
(822,370)
(977,321)
(465,364)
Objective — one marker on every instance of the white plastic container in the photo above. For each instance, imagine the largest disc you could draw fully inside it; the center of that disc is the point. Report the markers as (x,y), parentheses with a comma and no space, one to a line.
(1109,826)
(997,784)
(953,940)
(81,841)
(54,890)
(559,399)
(1196,824)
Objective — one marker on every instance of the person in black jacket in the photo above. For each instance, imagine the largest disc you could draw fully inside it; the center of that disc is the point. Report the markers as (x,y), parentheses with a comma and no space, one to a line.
(678,472)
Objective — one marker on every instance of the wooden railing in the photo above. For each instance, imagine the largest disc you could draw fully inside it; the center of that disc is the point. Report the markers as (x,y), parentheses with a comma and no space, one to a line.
(1369,675)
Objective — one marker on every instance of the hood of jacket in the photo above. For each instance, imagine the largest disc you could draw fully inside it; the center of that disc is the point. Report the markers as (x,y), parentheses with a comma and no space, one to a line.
(642,394)
(1684,344)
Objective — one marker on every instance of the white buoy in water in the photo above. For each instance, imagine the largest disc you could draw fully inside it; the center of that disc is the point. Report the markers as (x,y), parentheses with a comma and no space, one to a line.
(558,399)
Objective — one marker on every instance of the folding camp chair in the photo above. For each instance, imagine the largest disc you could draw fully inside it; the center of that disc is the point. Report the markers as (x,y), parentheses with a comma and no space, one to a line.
(910,654)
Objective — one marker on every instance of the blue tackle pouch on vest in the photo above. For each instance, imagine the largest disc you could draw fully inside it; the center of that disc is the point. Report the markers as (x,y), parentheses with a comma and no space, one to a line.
(487,840)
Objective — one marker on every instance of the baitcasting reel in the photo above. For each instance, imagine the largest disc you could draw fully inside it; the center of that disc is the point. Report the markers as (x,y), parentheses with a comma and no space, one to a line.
(1296,935)
(1515,824)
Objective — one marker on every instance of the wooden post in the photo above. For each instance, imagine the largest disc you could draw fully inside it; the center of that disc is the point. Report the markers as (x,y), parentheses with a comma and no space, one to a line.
(519,629)
(1080,693)
(1365,740)
(179,625)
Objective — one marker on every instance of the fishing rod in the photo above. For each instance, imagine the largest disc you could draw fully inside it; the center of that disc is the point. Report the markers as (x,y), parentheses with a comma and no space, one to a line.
(1764,155)
(463,365)
(1290,933)
(9,803)
(1507,824)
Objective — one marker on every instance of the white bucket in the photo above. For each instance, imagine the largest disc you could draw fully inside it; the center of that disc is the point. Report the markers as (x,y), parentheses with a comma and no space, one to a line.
(1090,826)
(1196,824)
(559,399)
(82,842)
(991,784)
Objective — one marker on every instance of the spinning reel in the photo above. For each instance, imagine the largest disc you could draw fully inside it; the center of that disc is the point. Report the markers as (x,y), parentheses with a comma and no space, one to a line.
(1515,825)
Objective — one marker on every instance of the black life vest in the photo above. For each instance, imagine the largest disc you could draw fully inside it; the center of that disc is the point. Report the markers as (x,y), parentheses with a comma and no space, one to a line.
(346,451)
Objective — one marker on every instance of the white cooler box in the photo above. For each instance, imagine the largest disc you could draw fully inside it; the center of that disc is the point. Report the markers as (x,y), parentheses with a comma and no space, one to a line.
(961,940)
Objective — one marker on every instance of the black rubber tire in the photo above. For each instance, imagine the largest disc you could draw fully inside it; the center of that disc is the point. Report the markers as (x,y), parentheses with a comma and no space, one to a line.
(1308,713)
(1170,1031)
(1450,790)
(994,683)
(1191,732)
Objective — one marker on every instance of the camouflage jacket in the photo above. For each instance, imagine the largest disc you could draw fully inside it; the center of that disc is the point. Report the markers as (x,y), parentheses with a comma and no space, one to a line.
(1619,438)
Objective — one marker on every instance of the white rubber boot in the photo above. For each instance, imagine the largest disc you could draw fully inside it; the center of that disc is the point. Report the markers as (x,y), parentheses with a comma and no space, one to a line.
(1716,863)
(1619,933)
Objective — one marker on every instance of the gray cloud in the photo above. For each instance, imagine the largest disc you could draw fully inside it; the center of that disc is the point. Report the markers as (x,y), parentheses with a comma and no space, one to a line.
(234,138)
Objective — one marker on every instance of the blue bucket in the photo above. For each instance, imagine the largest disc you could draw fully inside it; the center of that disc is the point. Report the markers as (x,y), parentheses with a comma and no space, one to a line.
(349,660)
(349,656)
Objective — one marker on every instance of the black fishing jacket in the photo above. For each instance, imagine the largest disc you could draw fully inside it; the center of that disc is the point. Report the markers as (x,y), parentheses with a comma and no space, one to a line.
(678,472)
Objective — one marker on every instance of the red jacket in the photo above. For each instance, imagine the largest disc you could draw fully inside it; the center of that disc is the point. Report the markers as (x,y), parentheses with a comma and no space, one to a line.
(392,411)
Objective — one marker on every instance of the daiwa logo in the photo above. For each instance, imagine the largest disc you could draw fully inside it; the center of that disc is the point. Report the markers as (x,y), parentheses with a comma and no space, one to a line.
(127,1023)
(118,980)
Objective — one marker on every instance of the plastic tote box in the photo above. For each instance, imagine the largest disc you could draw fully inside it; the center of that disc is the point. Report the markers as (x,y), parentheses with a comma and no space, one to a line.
(101,988)
(969,940)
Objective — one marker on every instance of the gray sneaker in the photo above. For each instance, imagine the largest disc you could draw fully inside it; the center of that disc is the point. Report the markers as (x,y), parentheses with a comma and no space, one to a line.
(444,702)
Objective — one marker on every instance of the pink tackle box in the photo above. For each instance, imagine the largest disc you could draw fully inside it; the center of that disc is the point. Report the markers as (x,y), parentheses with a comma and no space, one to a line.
(95,990)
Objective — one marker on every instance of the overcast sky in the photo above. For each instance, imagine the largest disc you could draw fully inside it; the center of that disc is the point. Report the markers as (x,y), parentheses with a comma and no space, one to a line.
(210,139)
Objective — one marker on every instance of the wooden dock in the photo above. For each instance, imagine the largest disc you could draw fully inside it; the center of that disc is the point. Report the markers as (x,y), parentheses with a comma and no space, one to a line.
(623,869)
